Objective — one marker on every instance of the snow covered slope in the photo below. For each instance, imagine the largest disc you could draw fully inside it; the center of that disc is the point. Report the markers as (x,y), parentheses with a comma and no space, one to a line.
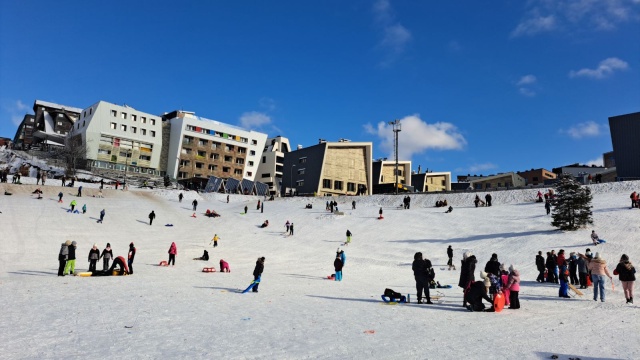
(181,312)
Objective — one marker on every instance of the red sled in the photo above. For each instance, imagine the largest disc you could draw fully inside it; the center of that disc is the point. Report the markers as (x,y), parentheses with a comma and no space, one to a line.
(163,263)
(209,269)
(498,302)
(331,277)
(380,217)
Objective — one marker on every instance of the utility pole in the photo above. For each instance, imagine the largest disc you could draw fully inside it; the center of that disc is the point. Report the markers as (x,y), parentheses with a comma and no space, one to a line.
(396,129)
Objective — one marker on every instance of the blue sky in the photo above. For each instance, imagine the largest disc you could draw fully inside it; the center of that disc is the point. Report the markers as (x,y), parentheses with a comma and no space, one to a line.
(480,87)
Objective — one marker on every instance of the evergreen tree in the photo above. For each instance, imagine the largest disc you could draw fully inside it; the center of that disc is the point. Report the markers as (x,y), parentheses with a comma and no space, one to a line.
(572,204)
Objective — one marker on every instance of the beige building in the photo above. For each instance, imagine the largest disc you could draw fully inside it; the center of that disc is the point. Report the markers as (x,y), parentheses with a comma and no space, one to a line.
(431,181)
(506,180)
(384,172)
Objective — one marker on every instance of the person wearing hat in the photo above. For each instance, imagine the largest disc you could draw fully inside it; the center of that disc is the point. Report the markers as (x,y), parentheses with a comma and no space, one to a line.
(598,268)
(337,265)
(627,275)
(94,256)
(107,255)
(257,273)
(62,257)
(152,215)
(131,255)
(70,268)
(514,288)
(450,256)
(173,251)
(467,271)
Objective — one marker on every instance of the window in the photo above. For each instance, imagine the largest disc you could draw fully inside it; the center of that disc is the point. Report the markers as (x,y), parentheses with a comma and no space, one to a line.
(125,154)
(250,163)
(535,178)
(199,165)
(123,115)
(226,169)
(82,123)
(182,175)
(123,127)
(134,117)
(104,152)
(143,119)
(249,173)
(337,185)
(300,183)
(134,129)
(351,187)
(215,145)
(114,126)
(302,160)
(240,161)
(228,158)
(153,121)
(202,153)
(153,133)
(213,167)
(214,156)
(184,162)
(301,171)
(90,110)
(202,142)
(228,148)
(242,150)
(186,151)
(252,152)
(145,158)
(266,175)
(264,159)
(326,184)
(254,142)
(114,113)
(237,172)
(143,131)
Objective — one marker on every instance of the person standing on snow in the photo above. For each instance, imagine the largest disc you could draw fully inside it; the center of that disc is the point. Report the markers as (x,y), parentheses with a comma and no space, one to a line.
(180,196)
(245,209)
(60,194)
(215,240)
(353,205)
(84,208)
(195,204)
(70,268)
(488,199)
(420,268)
(291,229)
(101,216)
(514,287)
(73,205)
(467,270)
(130,257)
(348,237)
(598,267)
(540,266)
(80,191)
(547,206)
(106,255)
(62,257)
(173,251)
(337,265)
(152,216)
(94,256)
(573,269)
(493,265)
(380,213)
(627,275)
(583,272)
(257,272)
(287,225)
(450,255)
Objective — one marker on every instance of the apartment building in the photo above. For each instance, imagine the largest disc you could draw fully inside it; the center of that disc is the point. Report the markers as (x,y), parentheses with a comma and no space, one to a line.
(505,180)
(271,167)
(49,125)
(431,181)
(537,176)
(200,148)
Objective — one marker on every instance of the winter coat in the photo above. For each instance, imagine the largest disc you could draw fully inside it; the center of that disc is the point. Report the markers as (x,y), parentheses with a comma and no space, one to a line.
(598,267)
(94,254)
(64,252)
(348,233)
(582,265)
(550,263)
(343,257)
(72,253)
(561,259)
(540,262)
(173,250)
(564,274)
(626,271)
(450,252)
(492,267)
(337,264)
(477,292)
(107,253)
(514,281)
(152,215)
(573,264)
(74,203)
(132,252)
(257,271)
(467,270)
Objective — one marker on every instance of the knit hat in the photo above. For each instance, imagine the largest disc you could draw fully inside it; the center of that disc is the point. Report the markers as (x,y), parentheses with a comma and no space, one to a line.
(624,257)
(597,255)
(74,243)
(68,242)
(511,268)
(483,274)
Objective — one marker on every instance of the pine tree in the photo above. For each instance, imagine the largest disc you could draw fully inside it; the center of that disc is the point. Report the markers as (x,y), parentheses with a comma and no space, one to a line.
(572,204)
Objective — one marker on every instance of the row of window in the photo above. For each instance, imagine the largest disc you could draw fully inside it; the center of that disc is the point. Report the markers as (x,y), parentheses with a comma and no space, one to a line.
(202,130)
(133,117)
(188,140)
(215,157)
(337,185)
(133,129)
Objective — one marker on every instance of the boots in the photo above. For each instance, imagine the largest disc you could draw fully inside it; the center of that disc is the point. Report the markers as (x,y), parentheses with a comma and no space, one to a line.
(419,300)
(429,301)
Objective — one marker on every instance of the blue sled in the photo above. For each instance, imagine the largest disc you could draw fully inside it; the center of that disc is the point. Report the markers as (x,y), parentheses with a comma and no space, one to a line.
(253,283)
(601,241)
(403,299)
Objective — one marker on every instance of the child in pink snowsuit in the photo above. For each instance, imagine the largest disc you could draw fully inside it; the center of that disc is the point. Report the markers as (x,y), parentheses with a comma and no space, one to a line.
(224,266)
(504,276)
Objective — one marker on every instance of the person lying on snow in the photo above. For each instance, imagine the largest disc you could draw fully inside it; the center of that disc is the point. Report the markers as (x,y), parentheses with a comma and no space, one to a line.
(265,224)
(205,256)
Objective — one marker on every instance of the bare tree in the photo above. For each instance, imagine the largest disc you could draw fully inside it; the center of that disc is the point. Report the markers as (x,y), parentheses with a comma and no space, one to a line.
(73,153)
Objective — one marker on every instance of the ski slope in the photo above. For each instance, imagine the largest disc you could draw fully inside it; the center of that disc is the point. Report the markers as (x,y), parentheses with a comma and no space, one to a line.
(181,312)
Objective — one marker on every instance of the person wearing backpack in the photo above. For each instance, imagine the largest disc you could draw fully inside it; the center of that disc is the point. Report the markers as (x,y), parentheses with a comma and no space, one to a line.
(422,270)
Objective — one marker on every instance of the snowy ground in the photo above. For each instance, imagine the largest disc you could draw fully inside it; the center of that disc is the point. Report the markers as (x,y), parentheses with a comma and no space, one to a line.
(180,312)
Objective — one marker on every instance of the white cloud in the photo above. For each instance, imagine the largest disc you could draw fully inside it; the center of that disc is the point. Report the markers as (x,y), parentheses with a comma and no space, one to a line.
(16,111)
(254,119)
(596,162)
(527,92)
(605,69)
(527,79)
(524,85)
(417,136)
(476,168)
(534,25)
(582,130)
(575,15)
(395,36)
(267,103)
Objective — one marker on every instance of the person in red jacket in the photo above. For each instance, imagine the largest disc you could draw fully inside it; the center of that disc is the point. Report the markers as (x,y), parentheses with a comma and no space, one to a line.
(173,251)
(561,258)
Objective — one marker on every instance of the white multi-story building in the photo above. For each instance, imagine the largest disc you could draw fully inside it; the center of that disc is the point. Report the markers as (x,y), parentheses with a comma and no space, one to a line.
(271,165)
(118,137)
(200,148)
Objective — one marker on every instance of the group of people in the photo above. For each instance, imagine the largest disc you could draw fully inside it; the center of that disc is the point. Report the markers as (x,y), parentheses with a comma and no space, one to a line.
(289,228)
(67,259)
(487,200)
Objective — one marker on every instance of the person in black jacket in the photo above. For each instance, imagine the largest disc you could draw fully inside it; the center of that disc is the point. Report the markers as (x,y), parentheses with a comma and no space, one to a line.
(493,265)
(195,204)
(627,275)
(540,266)
(62,257)
(257,272)
(477,292)
(450,255)
(71,259)
(94,255)
(488,199)
(467,271)
(573,269)
(337,265)
(107,255)
(420,268)
(152,215)
(131,256)
(551,265)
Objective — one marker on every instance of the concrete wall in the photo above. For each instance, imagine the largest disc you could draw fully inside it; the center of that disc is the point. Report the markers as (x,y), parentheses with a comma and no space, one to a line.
(625,132)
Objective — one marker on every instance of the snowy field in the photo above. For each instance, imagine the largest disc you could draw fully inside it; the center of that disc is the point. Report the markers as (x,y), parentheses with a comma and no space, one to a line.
(180,312)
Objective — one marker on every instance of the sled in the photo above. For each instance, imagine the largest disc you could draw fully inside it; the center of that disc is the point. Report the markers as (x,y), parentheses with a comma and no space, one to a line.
(208,270)
(84,274)
(163,263)
(601,241)
(380,217)
(575,290)
(498,302)
(169,225)
(253,283)
(331,277)
(390,301)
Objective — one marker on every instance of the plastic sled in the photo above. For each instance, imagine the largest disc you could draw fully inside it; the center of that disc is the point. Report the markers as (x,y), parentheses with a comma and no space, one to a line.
(575,290)
(208,269)
(169,225)
(85,274)
(253,283)
(331,277)
(163,263)
(402,300)
(498,302)
(601,241)
(380,217)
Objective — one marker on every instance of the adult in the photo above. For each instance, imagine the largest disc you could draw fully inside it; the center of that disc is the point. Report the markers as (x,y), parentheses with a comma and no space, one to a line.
(353,205)
(73,205)
(38,177)
(291,229)
(101,184)
(550,265)
(477,292)
(152,215)
(627,275)
(180,196)
(450,256)
(573,269)
(262,207)
(257,272)
(598,268)
(476,201)
(514,288)
(380,212)
(195,204)
(94,256)
(173,251)
(287,225)
(101,216)
(337,265)
(547,206)
(488,199)
(540,267)
(467,270)
(493,265)
(420,269)
(245,209)
(107,255)
(583,272)
(60,194)
(594,238)
(227,199)
(70,267)
(80,191)
(130,256)
(62,257)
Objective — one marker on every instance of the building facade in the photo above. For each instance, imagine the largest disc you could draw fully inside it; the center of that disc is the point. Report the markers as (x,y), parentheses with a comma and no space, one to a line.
(200,148)
(329,168)
(120,138)
(537,176)
(431,181)
(24,135)
(625,132)
(49,126)
(271,167)
(506,180)
(384,172)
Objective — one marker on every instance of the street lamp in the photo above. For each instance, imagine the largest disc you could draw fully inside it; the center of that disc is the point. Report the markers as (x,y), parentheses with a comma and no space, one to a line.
(396,129)
(291,178)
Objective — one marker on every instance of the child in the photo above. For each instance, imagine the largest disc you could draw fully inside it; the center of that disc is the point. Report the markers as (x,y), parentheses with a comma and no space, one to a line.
(348,237)
(84,208)
(60,197)
(224,266)
(504,277)
(514,288)
(215,240)
(564,281)
(94,255)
